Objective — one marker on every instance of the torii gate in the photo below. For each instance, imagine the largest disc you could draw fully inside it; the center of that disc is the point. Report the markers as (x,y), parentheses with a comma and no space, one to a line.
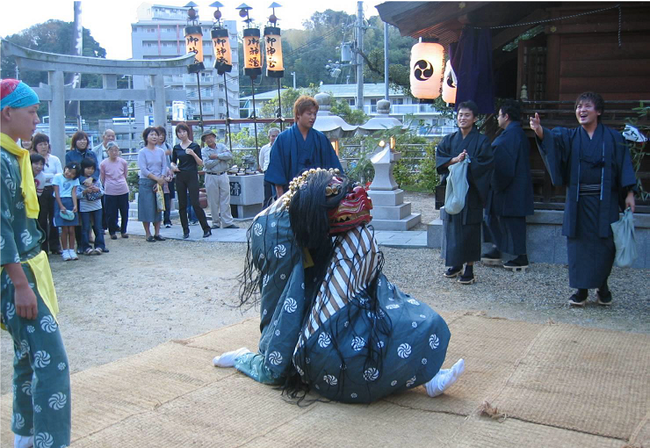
(57,94)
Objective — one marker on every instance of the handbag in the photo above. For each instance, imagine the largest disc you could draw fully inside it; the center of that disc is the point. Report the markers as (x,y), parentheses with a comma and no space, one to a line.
(160,198)
(457,187)
(624,240)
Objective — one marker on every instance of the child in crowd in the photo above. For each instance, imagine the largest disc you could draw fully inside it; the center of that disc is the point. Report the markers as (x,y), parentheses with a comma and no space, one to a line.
(38,162)
(65,191)
(90,192)
(113,173)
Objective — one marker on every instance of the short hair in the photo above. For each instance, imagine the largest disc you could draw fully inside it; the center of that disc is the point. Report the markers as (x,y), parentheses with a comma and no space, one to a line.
(469,104)
(187,129)
(594,98)
(87,162)
(146,133)
(512,108)
(303,103)
(74,166)
(272,130)
(39,138)
(37,158)
(112,145)
(162,131)
(79,135)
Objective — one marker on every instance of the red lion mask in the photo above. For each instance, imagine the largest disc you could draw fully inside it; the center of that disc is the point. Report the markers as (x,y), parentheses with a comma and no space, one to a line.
(353,210)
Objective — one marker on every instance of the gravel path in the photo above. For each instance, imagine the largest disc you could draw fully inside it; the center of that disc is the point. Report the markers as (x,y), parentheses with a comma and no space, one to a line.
(143,294)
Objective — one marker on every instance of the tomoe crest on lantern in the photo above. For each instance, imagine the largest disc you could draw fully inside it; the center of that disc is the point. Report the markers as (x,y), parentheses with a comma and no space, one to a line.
(426,69)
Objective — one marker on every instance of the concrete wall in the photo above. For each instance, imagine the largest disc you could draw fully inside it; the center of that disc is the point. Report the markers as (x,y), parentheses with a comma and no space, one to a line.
(545,242)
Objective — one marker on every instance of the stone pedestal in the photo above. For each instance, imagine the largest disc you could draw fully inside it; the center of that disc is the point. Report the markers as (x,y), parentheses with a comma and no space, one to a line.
(246,195)
(389,211)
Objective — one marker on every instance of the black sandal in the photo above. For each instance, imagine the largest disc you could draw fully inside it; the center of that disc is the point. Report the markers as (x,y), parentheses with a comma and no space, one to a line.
(151,239)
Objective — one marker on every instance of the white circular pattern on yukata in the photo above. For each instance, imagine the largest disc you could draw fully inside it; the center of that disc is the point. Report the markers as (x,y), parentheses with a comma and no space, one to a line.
(27,388)
(11,310)
(290,305)
(392,306)
(280,251)
(353,395)
(265,280)
(283,276)
(413,302)
(404,350)
(410,382)
(434,342)
(393,383)
(57,401)
(257,229)
(324,340)
(26,237)
(331,380)
(275,358)
(48,324)
(43,440)
(273,224)
(424,361)
(358,343)
(41,359)
(414,324)
(380,344)
(17,421)
(371,374)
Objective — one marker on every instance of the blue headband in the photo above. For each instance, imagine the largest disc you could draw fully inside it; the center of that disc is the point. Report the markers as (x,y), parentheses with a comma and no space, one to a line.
(22,96)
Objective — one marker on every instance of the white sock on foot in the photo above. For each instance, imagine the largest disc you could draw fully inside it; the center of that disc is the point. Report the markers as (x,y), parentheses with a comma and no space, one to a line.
(23,441)
(444,379)
(228,358)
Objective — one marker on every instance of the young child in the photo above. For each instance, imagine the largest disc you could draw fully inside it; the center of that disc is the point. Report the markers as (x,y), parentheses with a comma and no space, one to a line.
(90,192)
(65,191)
(113,173)
(38,163)
(41,379)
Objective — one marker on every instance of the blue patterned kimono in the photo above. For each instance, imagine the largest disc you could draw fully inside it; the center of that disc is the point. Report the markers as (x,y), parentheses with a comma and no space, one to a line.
(579,162)
(355,337)
(291,154)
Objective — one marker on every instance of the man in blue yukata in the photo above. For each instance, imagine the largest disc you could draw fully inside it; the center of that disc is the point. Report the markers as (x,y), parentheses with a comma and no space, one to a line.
(594,164)
(300,148)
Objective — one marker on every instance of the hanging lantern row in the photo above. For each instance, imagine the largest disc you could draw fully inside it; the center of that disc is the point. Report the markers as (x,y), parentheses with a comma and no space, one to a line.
(221,43)
(427,62)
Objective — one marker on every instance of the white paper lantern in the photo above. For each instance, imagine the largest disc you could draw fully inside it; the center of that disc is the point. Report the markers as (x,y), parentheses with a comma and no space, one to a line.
(426,69)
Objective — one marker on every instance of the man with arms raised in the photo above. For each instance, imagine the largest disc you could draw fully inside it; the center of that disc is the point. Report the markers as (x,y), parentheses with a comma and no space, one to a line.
(594,163)
(300,147)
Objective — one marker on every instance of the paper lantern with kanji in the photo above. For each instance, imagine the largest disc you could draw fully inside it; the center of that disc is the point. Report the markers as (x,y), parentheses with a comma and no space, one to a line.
(194,44)
(426,69)
(252,53)
(273,50)
(222,51)
(449,85)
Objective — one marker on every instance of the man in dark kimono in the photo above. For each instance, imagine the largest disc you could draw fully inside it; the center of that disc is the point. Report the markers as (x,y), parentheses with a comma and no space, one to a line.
(300,148)
(594,163)
(511,191)
(463,230)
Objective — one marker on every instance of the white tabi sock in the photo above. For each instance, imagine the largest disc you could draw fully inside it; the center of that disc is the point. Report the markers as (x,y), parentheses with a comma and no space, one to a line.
(228,358)
(444,379)
(23,441)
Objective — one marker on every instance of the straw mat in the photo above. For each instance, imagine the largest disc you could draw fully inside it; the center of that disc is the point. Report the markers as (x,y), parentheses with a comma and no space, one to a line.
(546,385)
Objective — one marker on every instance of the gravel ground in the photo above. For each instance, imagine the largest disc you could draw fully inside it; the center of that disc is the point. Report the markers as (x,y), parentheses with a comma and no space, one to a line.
(143,294)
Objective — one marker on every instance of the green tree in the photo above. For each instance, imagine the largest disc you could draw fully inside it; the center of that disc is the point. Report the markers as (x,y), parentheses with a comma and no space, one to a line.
(55,36)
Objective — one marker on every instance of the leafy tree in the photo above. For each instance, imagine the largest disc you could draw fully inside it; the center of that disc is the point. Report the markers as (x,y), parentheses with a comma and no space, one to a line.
(55,36)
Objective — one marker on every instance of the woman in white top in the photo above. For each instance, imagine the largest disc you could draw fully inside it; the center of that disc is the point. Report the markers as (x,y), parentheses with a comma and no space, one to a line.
(52,167)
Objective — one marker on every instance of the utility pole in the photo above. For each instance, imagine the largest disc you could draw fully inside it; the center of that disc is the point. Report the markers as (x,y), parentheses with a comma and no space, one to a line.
(386,94)
(359,58)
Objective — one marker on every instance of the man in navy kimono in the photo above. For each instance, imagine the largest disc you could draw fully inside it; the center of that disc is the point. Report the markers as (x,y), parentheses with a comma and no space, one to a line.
(300,148)
(594,163)
(463,230)
(511,191)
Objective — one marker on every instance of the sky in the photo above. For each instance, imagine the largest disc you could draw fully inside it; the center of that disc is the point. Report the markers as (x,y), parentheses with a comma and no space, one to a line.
(110,21)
